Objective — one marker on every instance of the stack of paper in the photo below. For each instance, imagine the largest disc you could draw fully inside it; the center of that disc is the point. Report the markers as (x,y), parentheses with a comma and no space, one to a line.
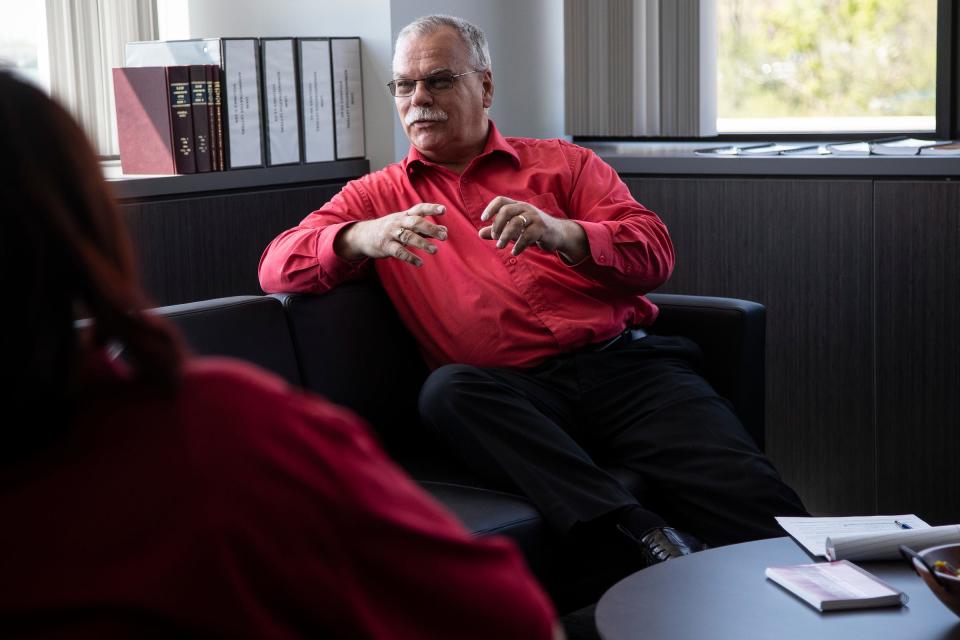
(905,147)
(866,537)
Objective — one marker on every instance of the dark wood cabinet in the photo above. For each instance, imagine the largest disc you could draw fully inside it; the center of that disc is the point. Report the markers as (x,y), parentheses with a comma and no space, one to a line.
(861,280)
(209,246)
(918,348)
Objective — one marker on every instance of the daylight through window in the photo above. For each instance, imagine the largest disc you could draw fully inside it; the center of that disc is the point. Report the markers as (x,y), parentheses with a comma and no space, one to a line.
(826,65)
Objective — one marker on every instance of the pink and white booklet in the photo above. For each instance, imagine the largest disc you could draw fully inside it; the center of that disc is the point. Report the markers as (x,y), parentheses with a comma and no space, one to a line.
(835,586)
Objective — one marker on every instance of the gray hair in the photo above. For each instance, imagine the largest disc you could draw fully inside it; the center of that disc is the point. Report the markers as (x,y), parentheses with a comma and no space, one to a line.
(471,35)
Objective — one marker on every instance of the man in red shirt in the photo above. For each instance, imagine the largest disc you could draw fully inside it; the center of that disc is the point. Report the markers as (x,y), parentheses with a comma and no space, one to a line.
(520,266)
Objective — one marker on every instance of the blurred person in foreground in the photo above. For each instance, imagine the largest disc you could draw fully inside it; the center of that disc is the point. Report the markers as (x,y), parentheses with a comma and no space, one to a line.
(158,494)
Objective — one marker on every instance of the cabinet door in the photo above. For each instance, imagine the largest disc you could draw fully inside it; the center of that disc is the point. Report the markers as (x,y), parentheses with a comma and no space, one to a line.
(918,348)
(209,246)
(803,248)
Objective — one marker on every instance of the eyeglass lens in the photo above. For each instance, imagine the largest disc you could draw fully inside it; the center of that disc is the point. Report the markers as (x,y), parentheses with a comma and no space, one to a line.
(435,84)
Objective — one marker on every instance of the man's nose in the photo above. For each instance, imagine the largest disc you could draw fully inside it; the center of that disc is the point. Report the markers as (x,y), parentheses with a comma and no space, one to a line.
(421,97)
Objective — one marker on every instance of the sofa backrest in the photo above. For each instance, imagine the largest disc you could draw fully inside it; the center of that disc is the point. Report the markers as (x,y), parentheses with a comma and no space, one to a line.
(354,350)
(347,345)
(252,328)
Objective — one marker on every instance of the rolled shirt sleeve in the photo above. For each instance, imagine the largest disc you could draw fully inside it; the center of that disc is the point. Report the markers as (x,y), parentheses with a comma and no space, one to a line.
(302,259)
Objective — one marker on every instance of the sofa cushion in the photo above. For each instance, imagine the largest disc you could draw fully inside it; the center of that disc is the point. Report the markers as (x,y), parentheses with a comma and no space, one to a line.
(252,328)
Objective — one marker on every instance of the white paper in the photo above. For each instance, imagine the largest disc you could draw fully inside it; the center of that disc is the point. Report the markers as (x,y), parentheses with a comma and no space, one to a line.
(812,533)
(316,100)
(167,53)
(280,99)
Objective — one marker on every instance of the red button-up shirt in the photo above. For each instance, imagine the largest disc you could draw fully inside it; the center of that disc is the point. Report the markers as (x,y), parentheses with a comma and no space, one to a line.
(471,302)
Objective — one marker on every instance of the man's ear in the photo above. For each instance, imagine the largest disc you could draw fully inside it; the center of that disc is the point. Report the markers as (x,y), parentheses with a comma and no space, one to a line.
(487,88)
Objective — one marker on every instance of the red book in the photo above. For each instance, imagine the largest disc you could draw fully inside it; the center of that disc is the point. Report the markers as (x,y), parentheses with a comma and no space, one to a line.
(200,106)
(143,120)
(154,120)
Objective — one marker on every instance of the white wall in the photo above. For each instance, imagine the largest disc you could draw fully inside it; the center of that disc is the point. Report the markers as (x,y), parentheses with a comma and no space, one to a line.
(526,44)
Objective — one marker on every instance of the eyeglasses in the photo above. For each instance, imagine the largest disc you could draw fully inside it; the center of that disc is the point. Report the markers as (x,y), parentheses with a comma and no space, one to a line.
(440,83)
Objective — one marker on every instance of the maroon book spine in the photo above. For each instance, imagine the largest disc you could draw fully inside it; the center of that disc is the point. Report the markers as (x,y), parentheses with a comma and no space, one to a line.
(200,106)
(181,113)
(144,127)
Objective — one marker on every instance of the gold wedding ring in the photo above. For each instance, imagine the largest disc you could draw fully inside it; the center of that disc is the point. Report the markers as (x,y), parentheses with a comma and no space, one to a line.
(523,221)
(400,231)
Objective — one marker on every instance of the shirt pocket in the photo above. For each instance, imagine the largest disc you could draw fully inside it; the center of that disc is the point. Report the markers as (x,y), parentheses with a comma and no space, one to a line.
(547,202)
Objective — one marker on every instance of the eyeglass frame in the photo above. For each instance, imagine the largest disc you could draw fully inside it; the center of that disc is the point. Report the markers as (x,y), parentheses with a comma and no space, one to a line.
(392,85)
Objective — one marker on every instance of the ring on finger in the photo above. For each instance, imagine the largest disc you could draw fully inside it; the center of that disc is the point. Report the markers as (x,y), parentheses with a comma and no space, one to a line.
(523,221)
(400,231)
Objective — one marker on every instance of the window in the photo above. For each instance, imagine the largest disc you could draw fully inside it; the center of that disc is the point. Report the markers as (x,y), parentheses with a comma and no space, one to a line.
(826,66)
(68,48)
(23,40)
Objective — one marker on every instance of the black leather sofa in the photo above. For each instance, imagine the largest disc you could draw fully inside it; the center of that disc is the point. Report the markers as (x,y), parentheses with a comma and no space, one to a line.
(350,346)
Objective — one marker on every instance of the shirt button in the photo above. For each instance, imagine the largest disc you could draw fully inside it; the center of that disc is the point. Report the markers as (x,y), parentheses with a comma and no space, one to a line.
(602,258)
(512,261)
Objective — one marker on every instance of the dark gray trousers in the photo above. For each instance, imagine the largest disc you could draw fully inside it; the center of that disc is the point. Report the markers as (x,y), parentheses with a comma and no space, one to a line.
(549,432)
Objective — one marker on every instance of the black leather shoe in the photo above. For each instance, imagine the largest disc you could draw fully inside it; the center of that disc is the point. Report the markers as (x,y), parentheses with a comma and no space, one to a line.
(663,543)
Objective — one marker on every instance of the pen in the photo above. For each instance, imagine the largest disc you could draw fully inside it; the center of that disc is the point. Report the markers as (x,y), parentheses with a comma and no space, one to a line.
(902,525)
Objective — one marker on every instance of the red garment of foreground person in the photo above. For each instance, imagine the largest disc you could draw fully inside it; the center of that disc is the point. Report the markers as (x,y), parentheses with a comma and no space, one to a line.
(162,496)
(240,508)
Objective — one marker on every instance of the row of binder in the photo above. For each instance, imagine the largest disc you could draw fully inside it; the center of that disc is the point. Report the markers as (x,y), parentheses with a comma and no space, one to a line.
(282,100)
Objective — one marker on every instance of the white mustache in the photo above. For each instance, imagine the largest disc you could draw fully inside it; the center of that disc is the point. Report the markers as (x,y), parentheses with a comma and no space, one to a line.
(422,113)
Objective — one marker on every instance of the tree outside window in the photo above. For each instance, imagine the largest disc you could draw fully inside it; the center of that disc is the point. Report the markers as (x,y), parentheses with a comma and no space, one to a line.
(826,65)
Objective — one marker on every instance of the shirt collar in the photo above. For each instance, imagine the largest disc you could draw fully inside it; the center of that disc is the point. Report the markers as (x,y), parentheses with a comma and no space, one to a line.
(496,143)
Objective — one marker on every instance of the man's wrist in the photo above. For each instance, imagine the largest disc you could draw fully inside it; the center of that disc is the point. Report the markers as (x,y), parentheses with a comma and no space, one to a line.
(344,244)
(574,245)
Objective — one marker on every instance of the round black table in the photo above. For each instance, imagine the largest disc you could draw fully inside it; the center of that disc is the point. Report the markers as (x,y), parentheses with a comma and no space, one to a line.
(723,593)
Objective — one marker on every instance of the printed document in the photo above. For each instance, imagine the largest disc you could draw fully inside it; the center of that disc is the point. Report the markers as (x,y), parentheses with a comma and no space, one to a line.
(812,533)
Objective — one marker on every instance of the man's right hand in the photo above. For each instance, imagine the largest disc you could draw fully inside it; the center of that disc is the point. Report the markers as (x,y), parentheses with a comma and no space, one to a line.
(390,235)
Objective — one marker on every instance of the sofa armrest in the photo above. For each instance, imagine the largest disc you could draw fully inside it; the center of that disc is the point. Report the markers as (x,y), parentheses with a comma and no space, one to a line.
(732,335)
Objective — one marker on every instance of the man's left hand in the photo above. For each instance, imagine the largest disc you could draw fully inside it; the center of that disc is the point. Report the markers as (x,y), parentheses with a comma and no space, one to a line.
(525,225)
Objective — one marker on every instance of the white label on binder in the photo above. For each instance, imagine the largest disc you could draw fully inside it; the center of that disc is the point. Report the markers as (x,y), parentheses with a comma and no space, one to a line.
(348,98)
(243,103)
(316,100)
(283,126)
